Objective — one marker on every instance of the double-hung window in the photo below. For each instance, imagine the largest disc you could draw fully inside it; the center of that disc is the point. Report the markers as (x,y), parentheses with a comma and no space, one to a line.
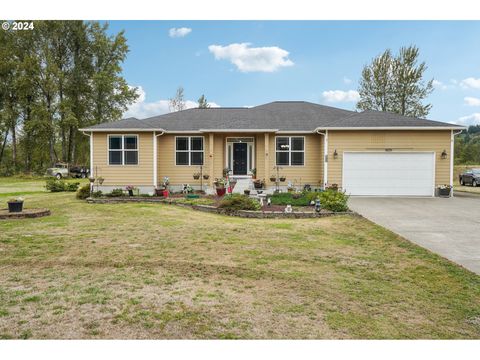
(189,150)
(290,150)
(123,150)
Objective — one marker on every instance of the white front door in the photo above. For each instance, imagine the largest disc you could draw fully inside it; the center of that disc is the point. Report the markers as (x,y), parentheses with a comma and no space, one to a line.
(389,173)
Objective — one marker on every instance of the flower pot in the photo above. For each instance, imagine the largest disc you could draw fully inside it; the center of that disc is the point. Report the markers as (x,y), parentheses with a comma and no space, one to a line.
(165,193)
(158,192)
(221,191)
(246,191)
(258,184)
(196,177)
(15,206)
(206,177)
(130,192)
(444,192)
(272,179)
(282,178)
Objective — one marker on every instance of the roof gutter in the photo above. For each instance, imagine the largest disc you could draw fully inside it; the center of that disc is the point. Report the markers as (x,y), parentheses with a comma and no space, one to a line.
(120,129)
(238,130)
(391,128)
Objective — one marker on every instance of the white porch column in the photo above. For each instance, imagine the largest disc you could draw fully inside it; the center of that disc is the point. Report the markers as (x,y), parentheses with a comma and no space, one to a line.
(452,147)
(91,153)
(325,159)
(155,170)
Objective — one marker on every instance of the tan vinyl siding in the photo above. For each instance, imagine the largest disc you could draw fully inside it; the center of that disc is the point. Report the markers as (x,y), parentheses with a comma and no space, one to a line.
(122,175)
(424,140)
(312,170)
(260,156)
(179,174)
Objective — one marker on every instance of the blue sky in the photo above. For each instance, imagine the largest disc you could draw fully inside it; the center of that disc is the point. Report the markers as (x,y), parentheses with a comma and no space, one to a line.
(246,63)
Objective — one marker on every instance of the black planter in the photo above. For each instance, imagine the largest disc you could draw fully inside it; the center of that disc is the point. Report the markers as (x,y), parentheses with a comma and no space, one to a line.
(444,192)
(15,206)
(130,192)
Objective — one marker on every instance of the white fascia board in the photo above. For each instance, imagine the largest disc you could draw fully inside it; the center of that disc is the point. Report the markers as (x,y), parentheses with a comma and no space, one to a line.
(393,128)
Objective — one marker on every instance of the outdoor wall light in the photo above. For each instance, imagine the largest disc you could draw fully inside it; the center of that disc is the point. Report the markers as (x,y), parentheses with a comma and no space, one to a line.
(444,154)
(335,154)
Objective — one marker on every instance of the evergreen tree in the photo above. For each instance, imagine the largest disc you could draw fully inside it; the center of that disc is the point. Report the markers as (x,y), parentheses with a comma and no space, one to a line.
(203,103)
(177,103)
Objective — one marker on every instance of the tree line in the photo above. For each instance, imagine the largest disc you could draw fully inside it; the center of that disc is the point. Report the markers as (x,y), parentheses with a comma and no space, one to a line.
(55,79)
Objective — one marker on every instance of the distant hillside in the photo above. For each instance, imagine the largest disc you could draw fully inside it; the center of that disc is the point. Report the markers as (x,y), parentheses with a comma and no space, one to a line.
(467,146)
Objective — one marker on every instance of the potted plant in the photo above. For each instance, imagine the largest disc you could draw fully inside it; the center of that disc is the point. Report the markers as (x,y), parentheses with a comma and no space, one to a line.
(226,171)
(273,178)
(130,189)
(282,178)
(206,176)
(166,181)
(444,190)
(196,176)
(246,192)
(254,173)
(258,184)
(15,205)
(220,186)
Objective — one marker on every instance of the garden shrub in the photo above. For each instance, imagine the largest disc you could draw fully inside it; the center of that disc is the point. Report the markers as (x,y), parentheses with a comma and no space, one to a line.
(97,194)
(115,193)
(334,200)
(239,202)
(83,192)
(55,185)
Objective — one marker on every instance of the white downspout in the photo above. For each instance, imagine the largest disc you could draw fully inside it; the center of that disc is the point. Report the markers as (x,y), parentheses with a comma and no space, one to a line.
(155,162)
(452,157)
(325,156)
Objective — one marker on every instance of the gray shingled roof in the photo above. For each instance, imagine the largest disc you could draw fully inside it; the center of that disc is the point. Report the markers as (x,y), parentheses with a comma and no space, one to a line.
(278,115)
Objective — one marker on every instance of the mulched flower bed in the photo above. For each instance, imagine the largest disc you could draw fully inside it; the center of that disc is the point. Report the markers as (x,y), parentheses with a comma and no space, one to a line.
(26,213)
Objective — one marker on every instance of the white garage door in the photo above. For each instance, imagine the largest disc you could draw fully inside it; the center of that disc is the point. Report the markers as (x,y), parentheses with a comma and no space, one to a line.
(389,173)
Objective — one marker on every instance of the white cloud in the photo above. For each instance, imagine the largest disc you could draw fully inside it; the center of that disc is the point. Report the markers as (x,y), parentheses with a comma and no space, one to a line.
(142,109)
(341,96)
(250,59)
(346,80)
(471,101)
(473,119)
(179,32)
(470,82)
(439,85)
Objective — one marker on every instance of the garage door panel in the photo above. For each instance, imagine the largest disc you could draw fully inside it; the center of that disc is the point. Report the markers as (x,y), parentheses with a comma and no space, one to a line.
(407,174)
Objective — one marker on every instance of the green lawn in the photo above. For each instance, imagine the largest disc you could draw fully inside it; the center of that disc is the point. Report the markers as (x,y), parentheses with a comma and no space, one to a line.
(161,271)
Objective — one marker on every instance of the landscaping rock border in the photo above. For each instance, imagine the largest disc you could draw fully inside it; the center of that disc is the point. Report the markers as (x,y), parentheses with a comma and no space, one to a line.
(215,210)
(26,213)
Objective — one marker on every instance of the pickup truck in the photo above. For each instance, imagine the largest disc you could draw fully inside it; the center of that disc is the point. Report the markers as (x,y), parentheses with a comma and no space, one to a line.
(63,170)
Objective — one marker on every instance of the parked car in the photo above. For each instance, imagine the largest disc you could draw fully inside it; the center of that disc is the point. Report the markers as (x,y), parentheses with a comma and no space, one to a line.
(470,177)
(62,170)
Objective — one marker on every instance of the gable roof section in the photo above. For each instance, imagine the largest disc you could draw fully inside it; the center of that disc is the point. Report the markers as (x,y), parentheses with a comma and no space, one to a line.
(278,116)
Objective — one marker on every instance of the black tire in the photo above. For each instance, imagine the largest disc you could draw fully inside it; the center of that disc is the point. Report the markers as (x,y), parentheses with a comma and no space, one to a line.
(474,183)
(58,176)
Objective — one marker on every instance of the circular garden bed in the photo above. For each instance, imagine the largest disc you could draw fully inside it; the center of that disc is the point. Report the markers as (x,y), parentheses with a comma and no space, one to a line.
(26,213)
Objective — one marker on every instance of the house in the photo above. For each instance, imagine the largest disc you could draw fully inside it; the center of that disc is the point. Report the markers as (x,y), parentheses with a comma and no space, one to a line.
(364,153)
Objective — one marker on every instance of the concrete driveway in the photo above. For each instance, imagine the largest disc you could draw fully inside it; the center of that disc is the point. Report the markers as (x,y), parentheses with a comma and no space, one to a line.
(448,227)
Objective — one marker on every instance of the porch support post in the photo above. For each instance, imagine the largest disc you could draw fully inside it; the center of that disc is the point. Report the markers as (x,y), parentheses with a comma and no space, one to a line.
(452,147)
(267,162)
(325,161)
(91,154)
(155,163)
(211,139)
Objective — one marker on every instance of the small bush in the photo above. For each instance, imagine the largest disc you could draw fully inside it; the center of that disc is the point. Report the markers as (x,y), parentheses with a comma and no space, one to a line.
(83,192)
(334,200)
(239,202)
(55,185)
(115,193)
(97,194)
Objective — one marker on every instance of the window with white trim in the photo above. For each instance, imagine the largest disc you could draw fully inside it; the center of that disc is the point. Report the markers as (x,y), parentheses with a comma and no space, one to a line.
(123,150)
(189,150)
(290,150)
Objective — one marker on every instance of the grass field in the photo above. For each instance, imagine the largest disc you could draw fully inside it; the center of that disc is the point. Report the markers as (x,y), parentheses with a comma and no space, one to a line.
(457,170)
(160,271)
